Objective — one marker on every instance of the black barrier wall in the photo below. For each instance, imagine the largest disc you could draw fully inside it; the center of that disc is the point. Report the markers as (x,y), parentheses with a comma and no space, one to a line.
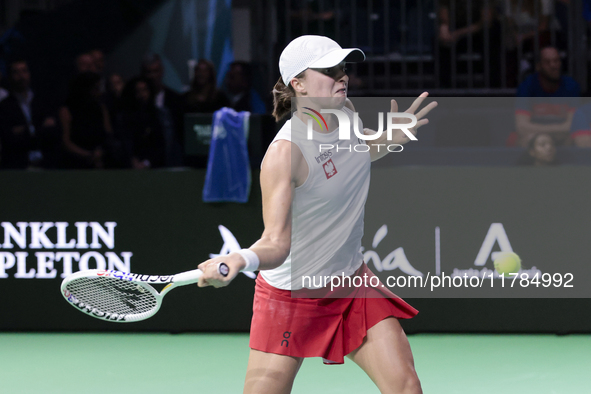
(155,222)
(155,219)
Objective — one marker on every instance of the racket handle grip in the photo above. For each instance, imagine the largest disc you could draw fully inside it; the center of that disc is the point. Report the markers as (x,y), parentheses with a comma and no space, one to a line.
(186,278)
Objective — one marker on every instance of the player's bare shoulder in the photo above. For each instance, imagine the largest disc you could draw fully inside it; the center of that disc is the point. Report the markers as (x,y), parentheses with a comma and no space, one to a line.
(285,159)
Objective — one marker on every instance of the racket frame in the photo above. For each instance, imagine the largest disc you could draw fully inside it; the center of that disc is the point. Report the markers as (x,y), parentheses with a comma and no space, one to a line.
(143,281)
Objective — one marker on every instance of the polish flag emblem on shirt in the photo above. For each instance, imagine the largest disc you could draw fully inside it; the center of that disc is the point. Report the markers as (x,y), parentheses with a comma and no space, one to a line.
(329,169)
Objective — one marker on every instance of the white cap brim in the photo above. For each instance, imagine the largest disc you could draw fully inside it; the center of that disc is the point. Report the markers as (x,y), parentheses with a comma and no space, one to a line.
(311,51)
(335,57)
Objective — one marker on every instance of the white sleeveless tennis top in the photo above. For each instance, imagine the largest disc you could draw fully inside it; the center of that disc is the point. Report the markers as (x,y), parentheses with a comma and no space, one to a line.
(327,209)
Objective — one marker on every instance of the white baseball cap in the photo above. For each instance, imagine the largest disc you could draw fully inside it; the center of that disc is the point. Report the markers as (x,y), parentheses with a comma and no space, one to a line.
(314,52)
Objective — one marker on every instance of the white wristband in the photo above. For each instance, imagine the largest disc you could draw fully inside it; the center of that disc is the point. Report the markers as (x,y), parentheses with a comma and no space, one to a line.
(251,258)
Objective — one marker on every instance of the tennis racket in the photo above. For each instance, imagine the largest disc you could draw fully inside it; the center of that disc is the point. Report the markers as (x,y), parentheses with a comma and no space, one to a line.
(123,297)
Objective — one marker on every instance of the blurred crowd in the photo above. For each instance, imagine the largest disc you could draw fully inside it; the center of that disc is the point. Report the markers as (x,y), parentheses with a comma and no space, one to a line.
(506,32)
(108,122)
(467,35)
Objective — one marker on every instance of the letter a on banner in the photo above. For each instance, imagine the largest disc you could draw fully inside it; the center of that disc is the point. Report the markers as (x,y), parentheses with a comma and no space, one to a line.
(496,233)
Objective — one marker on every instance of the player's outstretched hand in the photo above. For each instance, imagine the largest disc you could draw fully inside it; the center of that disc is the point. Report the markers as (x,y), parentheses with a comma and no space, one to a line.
(211,275)
(412,109)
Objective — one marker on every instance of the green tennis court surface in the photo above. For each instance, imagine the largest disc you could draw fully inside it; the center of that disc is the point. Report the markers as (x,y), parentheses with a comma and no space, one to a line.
(216,363)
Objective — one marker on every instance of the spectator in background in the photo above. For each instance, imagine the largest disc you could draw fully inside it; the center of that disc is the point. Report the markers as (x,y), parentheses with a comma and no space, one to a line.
(546,101)
(476,21)
(115,85)
(241,95)
(114,90)
(29,136)
(541,151)
(85,123)
(85,63)
(170,109)
(204,96)
(581,126)
(98,59)
(526,19)
(3,92)
(140,125)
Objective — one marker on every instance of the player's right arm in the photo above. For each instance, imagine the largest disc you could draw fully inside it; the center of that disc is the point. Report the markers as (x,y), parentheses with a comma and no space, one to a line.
(278,182)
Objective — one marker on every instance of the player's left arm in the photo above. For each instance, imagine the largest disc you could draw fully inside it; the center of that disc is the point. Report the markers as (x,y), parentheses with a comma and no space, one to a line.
(377,149)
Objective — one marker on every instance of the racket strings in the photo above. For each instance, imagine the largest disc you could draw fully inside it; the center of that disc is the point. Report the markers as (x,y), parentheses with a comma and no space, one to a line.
(110,295)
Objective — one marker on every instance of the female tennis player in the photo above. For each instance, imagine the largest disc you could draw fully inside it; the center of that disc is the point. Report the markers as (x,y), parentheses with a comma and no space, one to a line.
(313,207)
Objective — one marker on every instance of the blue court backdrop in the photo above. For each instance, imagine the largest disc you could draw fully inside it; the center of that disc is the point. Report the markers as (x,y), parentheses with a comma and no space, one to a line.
(53,223)
(177,30)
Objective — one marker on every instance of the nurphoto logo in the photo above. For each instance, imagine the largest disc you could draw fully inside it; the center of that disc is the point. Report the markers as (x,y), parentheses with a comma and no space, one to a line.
(345,129)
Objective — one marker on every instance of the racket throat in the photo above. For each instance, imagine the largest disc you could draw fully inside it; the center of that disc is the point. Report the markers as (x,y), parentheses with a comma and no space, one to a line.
(166,289)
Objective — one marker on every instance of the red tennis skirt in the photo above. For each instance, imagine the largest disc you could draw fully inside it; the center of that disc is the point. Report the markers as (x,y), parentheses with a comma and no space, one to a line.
(323,326)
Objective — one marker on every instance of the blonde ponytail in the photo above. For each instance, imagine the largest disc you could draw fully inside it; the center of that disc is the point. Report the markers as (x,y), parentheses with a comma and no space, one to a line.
(282,95)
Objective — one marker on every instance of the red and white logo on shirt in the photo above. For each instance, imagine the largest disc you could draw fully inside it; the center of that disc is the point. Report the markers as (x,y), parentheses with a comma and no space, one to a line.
(329,169)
